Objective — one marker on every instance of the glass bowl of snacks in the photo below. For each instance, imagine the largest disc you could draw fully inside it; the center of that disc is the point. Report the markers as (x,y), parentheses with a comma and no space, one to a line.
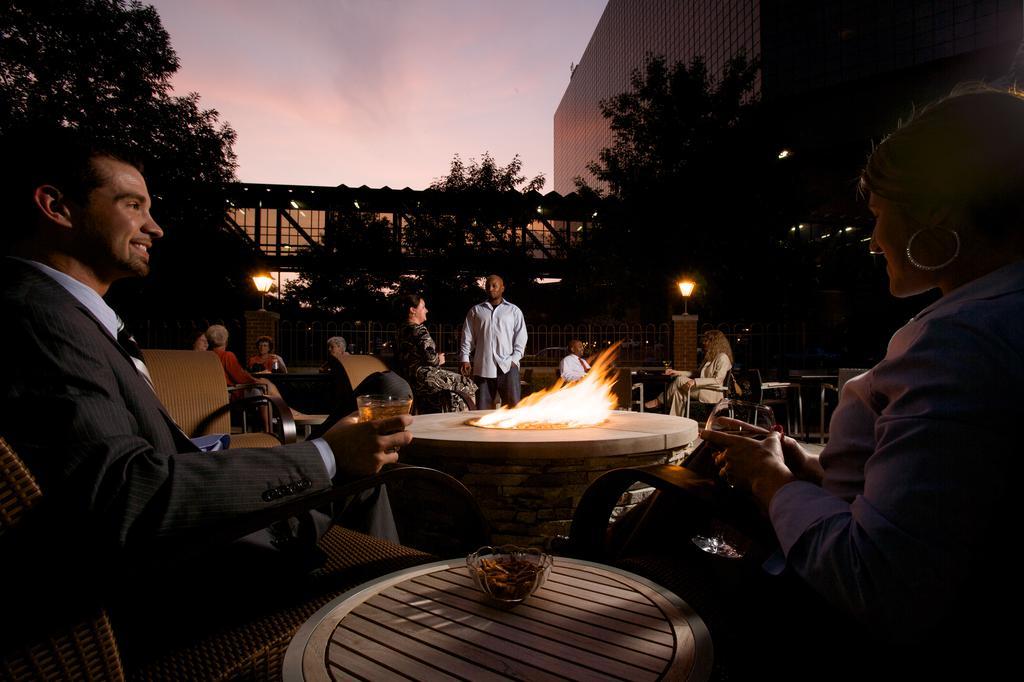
(508,574)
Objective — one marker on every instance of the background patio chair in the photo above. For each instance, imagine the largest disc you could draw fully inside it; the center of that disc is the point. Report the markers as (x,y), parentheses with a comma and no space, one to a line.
(750,384)
(629,392)
(190,384)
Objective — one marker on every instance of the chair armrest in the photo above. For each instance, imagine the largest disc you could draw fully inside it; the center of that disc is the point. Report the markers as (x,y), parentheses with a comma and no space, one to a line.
(699,499)
(278,407)
(284,414)
(262,388)
(590,521)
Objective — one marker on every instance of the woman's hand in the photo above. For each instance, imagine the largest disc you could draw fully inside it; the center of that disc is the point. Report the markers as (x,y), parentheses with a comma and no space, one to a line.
(801,463)
(440,359)
(752,464)
(669,372)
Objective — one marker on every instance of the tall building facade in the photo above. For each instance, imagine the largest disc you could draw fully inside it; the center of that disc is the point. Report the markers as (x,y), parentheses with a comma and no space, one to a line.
(903,49)
(628,31)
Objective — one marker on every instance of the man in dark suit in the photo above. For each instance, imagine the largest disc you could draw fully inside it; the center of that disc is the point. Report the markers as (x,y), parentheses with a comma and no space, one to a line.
(119,477)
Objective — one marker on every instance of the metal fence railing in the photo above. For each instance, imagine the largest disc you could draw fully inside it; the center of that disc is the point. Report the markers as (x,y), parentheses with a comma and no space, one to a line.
(774,348)
(305,343)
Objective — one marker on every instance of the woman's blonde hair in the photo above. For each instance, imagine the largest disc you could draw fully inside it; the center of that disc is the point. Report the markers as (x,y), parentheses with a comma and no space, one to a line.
(715,343)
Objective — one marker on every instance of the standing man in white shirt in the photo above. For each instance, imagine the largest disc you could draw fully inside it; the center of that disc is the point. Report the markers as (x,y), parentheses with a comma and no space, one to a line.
(573,366)
(494,334)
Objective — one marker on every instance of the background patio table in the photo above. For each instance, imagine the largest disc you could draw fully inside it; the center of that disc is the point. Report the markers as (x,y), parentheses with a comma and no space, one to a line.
(588,621)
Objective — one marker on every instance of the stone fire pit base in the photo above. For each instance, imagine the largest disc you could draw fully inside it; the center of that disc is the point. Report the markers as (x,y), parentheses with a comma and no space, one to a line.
(529,482)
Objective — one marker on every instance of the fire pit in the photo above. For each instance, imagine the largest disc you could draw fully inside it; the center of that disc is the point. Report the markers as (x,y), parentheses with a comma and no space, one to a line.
(528,481)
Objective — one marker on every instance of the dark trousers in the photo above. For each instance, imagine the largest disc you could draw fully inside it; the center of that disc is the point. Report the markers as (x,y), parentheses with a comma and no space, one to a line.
(506,385)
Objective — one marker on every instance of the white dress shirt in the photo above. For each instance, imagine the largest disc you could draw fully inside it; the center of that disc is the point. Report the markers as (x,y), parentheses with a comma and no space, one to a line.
(495,336)
(573,367)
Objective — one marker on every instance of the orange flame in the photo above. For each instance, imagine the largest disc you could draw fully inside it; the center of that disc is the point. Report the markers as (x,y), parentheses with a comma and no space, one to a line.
(573,405)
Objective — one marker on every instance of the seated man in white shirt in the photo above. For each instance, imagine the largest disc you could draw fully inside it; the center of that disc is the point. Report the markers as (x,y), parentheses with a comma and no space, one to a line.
(573,366)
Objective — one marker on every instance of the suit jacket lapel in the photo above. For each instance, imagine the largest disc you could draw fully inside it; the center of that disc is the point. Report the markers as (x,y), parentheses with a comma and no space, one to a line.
(180,438)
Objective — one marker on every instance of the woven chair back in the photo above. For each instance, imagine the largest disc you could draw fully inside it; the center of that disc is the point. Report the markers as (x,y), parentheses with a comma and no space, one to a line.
(80,648)
(191,386)
(18,488)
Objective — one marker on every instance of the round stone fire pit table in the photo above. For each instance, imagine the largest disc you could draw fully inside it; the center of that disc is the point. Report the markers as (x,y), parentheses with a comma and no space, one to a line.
(528,482)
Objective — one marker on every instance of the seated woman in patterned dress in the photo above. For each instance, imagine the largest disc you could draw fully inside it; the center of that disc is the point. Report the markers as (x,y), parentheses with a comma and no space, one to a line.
(420,363)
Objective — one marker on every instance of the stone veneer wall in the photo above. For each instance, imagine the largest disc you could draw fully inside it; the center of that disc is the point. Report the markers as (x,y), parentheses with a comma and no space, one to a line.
(531,501)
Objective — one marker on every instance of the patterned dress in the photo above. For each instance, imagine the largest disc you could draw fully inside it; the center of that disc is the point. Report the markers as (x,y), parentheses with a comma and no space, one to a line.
(419,363)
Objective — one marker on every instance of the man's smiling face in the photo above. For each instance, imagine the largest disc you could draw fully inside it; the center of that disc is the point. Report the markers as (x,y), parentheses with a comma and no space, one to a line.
(114,228)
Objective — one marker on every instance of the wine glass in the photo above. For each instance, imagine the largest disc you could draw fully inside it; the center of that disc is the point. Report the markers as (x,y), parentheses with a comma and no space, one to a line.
(740,418)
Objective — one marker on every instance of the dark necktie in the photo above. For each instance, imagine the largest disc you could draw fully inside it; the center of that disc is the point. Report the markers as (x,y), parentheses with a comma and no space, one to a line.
(128,343)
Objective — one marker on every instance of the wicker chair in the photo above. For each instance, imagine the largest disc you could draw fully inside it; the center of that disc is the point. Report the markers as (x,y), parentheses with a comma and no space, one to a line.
(191,386)
(83,643)
(83,648)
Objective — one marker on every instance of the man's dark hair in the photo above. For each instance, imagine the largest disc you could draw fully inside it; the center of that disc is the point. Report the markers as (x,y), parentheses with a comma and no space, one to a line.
(49,155)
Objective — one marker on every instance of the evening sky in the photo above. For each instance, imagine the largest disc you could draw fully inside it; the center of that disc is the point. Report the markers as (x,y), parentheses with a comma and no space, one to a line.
(379,92)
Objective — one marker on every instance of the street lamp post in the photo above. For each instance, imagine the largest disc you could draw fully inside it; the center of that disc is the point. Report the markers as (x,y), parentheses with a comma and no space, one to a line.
(686,287)
(263,281)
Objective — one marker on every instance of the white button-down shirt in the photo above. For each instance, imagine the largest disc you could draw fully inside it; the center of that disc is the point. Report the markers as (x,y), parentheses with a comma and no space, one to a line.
(573,367)
(495,336)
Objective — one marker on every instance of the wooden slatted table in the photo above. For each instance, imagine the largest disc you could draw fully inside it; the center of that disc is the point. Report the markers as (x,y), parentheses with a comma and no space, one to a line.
(588,621)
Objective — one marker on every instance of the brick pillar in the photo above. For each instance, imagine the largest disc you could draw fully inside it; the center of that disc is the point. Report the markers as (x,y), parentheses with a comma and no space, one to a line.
(259,323)
(684,342)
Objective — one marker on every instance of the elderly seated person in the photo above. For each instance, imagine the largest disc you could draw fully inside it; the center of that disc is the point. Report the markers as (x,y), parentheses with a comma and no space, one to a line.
(573,366)
(234,373)
(337,348)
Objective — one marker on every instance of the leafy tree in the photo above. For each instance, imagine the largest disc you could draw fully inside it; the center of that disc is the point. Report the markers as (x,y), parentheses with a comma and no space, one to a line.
(692,185)
(104,67)
(346,277)
(464,229)
(487,176)
(473,235)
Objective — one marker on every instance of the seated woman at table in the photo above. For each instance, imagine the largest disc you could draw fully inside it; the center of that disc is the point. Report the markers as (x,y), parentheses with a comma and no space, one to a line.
(420,363)
(907,520)
(265,360)
(713,372)
(199,341)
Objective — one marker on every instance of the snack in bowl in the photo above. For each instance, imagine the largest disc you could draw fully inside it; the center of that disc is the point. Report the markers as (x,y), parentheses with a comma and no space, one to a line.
(508,574)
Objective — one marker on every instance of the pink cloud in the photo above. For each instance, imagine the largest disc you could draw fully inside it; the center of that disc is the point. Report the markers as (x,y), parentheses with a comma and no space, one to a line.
(379,92)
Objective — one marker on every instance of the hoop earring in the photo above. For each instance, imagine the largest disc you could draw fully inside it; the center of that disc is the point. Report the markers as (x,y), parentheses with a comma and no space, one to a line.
(931,268)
